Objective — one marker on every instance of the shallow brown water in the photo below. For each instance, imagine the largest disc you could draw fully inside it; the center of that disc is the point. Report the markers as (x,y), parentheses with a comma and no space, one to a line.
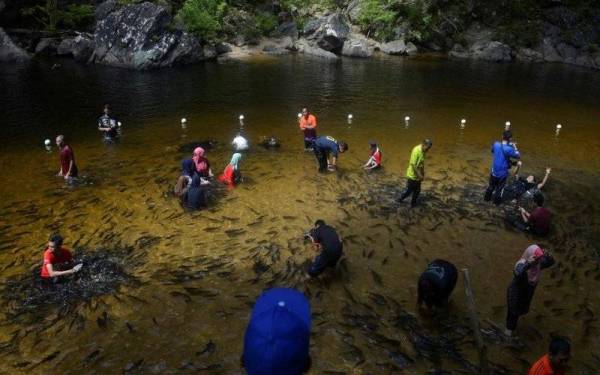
(197,275)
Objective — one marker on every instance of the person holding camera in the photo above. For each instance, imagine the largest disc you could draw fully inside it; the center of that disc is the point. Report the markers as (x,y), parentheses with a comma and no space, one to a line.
(503,153)
(325,239)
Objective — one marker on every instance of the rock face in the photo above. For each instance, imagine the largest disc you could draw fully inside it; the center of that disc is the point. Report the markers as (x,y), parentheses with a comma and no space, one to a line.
(136,36)
(303,46)
(47,47)
(357,48)
(399,47)
(80,48)
(328,33)
(9,51)
(492,51)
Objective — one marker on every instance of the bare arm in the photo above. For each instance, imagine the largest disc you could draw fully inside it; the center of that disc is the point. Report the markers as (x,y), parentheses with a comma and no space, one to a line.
(518,168)
(524,214)
(53,273)
(541,184)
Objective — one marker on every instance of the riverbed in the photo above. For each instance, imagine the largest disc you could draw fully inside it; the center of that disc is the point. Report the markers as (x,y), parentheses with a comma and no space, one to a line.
(192,277)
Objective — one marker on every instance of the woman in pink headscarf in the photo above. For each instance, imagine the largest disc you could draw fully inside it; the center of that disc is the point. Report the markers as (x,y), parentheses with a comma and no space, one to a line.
(201,163)
(527,273)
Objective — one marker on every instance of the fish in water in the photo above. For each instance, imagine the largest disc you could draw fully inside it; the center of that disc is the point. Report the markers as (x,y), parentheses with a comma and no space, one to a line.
(209,348)
(376,277)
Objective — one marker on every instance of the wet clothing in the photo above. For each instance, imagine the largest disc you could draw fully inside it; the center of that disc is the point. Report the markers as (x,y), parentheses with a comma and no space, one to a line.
(66,156)
(417,160)
(519,187)
(231,174)
(521,289)
(195,196)
(544,367)
(310,134)
(412,187)
(331,246)
(437,283)
(106,122)
(188,168)
(539,221)
(502,153)
(50,257)
(322,147)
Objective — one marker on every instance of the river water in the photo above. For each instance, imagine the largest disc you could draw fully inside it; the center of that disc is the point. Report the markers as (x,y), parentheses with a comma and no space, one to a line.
(191,278)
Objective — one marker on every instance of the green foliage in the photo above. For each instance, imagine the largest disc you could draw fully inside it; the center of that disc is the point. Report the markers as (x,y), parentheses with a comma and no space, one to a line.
(376,19)
(265,22)
(203,17)
(51,18)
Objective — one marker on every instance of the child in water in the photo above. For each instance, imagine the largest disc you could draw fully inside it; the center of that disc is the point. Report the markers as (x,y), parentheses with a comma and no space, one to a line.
(231,175)
(374,161)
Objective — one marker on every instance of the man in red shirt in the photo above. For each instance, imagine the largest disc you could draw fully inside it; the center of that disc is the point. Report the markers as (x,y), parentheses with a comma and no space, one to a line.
(68,168)
(374,161)
(308,125)
(538,220)
(57,259)
(554,362)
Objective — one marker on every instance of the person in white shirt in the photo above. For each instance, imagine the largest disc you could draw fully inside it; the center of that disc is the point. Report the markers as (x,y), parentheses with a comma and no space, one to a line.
(240,143)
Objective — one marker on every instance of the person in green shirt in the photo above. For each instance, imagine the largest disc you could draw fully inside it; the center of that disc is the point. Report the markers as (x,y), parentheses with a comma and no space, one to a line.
(416,171)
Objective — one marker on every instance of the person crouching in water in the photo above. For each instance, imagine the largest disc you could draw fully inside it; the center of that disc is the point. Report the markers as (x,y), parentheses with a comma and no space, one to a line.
(537,221)
(326,239)
(195,196)
(374,161)
(58,260)
(231,175)
(527,273)
(201,163)
(436,284)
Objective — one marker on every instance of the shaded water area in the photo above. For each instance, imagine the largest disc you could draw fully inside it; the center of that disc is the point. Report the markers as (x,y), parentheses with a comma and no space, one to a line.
(184,283)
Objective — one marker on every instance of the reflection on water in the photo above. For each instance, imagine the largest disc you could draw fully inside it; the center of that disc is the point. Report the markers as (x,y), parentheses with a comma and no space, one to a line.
(191,278)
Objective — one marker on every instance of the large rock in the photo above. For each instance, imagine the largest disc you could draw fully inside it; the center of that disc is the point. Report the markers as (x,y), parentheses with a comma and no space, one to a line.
(549,52)
(137,36)
(528,54)
(328,33)
(302,46)
(47,47)
(492,51)
(399,47)
(567,52)
(80,47)
(9,51)
(357,48)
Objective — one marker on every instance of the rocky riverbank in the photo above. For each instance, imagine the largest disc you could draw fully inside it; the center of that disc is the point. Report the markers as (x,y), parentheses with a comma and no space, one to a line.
(144,36)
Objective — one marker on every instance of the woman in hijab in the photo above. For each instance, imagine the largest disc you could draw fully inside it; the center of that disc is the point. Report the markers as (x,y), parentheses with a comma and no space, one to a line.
(201,163)
(527,273)
(195,196)
(231,175)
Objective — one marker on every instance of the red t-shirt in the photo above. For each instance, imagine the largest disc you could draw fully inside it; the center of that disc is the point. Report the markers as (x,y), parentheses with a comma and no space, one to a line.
(377,157)
(65,256)
(66,155)
(540,221)
(543,367)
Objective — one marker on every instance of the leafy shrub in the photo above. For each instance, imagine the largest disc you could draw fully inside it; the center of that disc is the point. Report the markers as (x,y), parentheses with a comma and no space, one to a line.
(51,18)
(46,15)
(265,22)
(78,16)
(203,17)
(376,19)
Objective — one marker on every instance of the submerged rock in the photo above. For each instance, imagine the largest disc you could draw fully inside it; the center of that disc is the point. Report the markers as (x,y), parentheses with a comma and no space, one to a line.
(9,51)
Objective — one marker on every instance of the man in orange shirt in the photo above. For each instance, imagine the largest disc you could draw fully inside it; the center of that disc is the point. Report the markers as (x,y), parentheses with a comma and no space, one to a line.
(554,362)
(308,125)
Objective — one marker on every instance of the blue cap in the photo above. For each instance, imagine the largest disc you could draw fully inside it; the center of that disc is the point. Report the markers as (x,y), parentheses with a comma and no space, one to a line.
(278,334)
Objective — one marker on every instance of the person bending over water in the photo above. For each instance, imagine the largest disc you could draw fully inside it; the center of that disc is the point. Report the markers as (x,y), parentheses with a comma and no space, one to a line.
(58,261)
(523,187)
(107,125)
(436,284)
(501,163)
(231,175)
(68,168)
(326,239)
(308,125)
(415,173)
(536,221)
(201,163)
(374,161)
(195,196)
(520,292)
(323,147)
(553,363)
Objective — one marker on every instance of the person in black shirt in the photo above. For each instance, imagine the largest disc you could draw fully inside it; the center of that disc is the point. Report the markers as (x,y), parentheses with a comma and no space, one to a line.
(107,125)
(195,196)
(436,284)
(325,238)
(523,187)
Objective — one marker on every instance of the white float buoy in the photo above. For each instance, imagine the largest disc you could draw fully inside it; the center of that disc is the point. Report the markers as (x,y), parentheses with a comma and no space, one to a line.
(183,120)
(119,123)
(47,142)
(507,125)
(558,127)
(299,114)
(463,121)
(407,118)
(350,116)
(241,117)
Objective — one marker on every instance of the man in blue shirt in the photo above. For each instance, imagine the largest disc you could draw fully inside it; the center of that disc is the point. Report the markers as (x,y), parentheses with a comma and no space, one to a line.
(325,145)
(503,153)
